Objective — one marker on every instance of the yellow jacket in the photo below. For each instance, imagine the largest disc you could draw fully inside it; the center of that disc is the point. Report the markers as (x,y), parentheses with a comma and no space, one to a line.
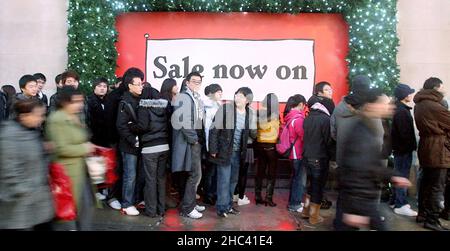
(268,131)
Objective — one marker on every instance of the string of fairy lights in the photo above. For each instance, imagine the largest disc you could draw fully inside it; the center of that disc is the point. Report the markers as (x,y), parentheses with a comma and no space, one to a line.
(373,37)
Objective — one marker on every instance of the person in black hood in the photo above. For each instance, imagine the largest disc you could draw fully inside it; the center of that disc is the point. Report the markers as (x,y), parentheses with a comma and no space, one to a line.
(153,119)
(317,152)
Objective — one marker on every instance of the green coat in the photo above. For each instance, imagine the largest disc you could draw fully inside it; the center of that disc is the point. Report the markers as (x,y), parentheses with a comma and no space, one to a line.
(70,141)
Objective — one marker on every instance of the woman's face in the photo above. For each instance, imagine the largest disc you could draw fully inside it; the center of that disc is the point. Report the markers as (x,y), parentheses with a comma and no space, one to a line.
(174,91)
(76,105)
(33,119)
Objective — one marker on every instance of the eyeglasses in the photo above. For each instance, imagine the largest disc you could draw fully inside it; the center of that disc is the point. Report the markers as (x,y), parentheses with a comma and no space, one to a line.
(196,82)
(138,85)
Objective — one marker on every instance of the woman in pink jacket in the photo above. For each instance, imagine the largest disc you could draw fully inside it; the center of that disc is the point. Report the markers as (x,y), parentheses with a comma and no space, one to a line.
(294,117)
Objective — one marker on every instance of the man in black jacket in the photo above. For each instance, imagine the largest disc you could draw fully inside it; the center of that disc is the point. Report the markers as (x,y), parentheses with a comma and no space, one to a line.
(317,152)
(128,136)
(97,112)
(403,144)
(41,79)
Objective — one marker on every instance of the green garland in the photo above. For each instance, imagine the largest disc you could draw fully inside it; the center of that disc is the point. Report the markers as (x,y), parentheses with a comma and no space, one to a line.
(372,23)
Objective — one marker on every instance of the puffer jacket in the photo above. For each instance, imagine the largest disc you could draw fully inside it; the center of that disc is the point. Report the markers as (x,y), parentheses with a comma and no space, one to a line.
(433,123)
(153,122)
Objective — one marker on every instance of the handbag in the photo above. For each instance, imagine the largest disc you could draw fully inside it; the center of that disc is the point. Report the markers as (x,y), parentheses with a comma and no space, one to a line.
(61,187)
(109,155)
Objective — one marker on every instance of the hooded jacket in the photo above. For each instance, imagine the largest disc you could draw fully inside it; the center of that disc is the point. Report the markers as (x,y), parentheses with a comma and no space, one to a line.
(318,143)
(294,119)
(153,122)
(433,123)
(127,124)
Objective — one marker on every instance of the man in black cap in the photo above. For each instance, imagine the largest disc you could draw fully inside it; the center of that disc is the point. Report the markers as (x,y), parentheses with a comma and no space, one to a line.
(403,144)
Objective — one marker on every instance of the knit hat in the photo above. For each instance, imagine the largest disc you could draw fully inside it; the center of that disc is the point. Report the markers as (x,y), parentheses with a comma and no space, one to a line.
(360,83)
(402,91)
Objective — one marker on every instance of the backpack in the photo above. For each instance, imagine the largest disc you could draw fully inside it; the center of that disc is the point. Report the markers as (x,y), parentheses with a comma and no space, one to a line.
(284,146)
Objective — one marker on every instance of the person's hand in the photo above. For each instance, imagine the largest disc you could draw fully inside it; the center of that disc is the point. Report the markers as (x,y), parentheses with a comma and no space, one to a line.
(356,220)
(90,147)
(400,181)
(213,155)
(333,164)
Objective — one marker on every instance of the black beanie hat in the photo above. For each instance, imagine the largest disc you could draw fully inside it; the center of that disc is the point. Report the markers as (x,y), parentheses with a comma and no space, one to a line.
(402,91)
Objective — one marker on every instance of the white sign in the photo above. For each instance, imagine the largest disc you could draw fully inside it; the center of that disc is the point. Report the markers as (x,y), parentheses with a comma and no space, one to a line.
(283,67)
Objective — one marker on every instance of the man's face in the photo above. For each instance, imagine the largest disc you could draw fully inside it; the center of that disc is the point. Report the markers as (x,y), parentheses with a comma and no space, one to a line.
(194,83)
(30,89)
(72,82)
(40,84)
(441,89)
(136,86)
(101,89)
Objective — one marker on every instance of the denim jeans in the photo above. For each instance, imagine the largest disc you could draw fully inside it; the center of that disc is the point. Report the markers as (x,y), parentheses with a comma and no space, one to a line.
(227,179)
(402,166)
(155,182)
(129,179)
(210,182)
(298,184)
(318,174)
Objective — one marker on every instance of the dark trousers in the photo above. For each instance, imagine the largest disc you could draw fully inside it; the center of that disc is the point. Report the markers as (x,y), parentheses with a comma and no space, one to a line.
(155,182)
(362,207)
(189,202)
(447,193)
(432,186)
(267,162)
(317,170)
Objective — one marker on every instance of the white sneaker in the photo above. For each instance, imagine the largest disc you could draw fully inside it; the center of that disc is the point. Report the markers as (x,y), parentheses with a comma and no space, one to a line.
(299,210)
(243,201)
(405,210)
(442,204)
(200,208)
(195,214)
(132,211)
(100,196)
(115,204)
(235,198)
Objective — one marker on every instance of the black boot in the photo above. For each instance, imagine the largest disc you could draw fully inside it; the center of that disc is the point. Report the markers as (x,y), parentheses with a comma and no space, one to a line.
(435,226)
(270,190)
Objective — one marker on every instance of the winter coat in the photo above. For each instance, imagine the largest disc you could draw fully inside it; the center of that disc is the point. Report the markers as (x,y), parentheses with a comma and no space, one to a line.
(295,119)
(25,197)
(433,123)
(127,124)
(222,134)
(402,131)
(111,102)
(98,123)
(211,108)
(53,101)
(153,122)
(361,172)
(340,121)
(317,140)
(187,131)
(70,140)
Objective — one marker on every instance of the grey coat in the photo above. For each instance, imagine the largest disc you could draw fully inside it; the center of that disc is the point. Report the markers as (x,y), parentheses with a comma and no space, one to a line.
(186,130)
(25,197)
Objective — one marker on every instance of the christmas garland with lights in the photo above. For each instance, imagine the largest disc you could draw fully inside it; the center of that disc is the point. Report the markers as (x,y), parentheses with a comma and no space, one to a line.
(373,38)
